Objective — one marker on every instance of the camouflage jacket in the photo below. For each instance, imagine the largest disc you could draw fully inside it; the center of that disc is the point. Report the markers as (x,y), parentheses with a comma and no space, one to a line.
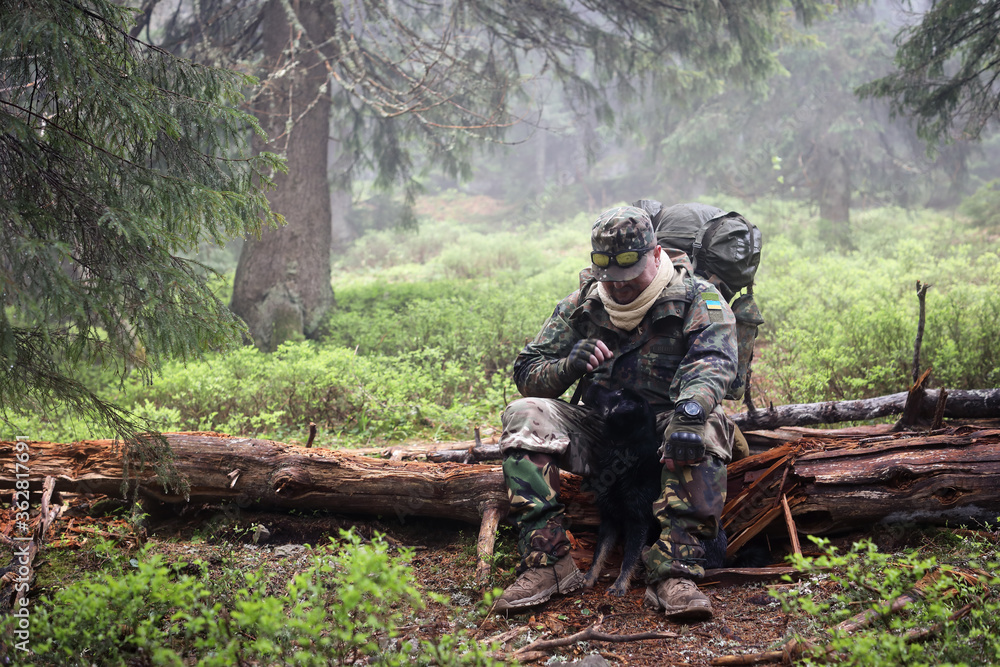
(684,348)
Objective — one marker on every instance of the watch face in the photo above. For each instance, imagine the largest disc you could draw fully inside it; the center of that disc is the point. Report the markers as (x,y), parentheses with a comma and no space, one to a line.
(692,409)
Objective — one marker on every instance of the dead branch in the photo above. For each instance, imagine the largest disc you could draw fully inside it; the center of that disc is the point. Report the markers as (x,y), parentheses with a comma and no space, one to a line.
(970,404)
(914,400)
(921,297)
(487,538)
(591,633)
(507,635)
(939,410)
(752,658)
(920,634)
(793,532)
(21,569)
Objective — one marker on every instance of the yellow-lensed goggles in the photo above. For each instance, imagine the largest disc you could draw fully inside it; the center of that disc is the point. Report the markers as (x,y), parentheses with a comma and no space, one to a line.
(622,259)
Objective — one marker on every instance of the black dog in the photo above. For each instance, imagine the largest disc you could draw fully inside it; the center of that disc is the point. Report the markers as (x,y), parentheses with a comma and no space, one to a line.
(627,483)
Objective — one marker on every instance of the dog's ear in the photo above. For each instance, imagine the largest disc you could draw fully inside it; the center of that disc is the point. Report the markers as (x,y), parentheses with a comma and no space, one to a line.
(630,408)
(598,397)
(632,395)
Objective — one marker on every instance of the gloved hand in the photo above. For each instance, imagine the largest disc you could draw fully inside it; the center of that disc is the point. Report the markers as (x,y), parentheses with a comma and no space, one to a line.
(685,444)
(586,356)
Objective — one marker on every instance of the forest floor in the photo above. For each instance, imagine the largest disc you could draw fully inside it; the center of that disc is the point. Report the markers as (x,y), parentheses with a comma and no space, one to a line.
(747,620)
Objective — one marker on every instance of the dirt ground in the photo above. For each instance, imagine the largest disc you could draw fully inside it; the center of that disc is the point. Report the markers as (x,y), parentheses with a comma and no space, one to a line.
(746,619)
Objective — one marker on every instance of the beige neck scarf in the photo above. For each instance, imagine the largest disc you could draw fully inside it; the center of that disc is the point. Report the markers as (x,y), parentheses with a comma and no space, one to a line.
(626,316)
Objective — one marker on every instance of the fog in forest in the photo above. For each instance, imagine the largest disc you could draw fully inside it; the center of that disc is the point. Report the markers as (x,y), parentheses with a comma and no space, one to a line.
(806,137)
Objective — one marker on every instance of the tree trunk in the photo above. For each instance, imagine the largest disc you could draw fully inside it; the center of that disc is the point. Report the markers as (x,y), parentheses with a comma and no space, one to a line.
(269,475)
(835,190)
(831,484)
(831,176)
(760,426)
(282,285)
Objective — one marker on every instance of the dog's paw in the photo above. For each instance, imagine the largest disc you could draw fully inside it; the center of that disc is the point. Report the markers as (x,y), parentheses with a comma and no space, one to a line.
(617,589)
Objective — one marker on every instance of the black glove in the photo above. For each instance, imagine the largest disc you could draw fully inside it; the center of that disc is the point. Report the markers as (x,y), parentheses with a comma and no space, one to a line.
(685,442)
(579,357)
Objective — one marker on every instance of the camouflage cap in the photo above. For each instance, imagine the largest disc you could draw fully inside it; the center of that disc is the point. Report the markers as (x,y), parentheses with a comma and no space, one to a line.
(617,230)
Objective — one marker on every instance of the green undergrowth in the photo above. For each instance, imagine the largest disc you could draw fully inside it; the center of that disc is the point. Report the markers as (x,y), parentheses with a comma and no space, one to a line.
(843,326)
(347,605)
(353,398)
(951,617)
(427,324)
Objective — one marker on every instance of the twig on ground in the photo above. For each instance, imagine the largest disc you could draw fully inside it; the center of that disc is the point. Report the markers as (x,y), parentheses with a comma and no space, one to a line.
(508,635)
(591,633)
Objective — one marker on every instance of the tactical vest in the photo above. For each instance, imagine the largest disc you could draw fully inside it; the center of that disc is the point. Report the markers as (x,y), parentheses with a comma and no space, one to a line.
(647,358)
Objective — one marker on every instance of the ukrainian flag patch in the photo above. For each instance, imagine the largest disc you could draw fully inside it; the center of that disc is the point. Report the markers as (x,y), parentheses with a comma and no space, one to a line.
(714,305)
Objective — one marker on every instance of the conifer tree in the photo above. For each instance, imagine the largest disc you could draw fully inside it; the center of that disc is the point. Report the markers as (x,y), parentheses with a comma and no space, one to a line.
(116,158)
(947,74)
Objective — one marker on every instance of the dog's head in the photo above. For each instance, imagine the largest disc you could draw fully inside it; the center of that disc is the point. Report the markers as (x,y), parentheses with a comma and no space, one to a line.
(618,407)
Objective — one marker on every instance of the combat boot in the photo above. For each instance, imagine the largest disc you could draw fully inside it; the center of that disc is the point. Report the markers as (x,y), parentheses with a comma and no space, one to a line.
(680,599)
(537,584)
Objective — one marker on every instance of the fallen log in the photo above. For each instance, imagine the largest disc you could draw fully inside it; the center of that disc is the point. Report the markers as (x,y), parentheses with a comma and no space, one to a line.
(248,473)
(439,452)
(831,484)
(922,480)
(769,427)
(18,575)
(972,404)
(837,485)
(270,475)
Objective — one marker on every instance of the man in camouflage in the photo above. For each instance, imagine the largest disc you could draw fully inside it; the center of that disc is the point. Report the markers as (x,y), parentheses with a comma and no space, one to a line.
(640,319)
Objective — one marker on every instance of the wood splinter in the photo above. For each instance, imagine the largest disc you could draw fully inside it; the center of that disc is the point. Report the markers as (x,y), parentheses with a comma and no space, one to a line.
(492,514)
(793,531)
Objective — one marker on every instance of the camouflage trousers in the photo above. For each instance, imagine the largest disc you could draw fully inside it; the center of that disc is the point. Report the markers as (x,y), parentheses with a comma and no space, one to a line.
(688,508)
(542,436)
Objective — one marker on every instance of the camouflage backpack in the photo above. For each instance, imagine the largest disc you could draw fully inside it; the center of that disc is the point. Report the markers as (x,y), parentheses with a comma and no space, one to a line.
(725,250)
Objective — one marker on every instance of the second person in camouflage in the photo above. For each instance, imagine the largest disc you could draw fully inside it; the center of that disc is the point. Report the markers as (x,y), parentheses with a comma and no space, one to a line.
(640,319)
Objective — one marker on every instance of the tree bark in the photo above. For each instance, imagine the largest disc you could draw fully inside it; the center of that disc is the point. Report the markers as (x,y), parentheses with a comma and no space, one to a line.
(836,485)
(262,474)
(832,484)
(971,404)
(282,284)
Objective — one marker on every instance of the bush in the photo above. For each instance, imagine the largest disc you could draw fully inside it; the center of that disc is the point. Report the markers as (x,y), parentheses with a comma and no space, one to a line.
(983,207)
(481,325)
(345,607)
(843,326)
(935,629)
(352,398)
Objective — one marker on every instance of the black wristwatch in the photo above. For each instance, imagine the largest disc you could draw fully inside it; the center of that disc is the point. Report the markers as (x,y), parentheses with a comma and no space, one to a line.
(692,411)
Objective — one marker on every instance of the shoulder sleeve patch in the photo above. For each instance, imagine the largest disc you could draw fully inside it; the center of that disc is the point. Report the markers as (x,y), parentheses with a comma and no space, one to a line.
(714,305)
(712,300)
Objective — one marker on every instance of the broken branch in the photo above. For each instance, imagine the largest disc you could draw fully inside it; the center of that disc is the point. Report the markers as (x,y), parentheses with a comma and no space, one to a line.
(592,633)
